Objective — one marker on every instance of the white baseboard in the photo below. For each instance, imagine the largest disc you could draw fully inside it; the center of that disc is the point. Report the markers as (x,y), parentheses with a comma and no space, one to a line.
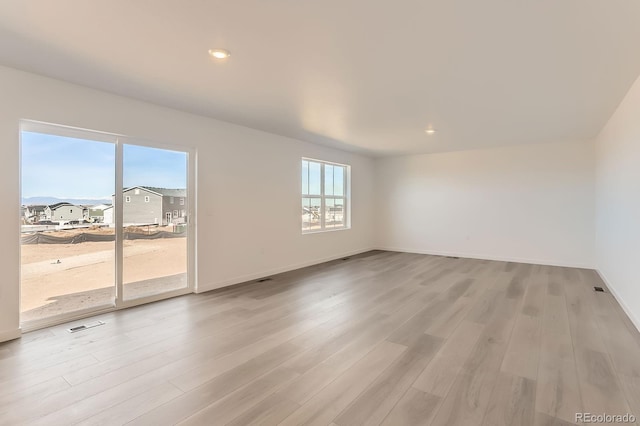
(620,301)
(10,335)
(485,257)
(262,274)
(254,276)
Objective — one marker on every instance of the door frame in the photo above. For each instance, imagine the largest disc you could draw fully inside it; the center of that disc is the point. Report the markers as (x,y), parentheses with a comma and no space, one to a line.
(119,141)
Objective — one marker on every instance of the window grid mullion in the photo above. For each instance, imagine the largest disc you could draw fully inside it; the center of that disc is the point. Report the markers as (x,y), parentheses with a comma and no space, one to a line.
(345,213)
(322,202)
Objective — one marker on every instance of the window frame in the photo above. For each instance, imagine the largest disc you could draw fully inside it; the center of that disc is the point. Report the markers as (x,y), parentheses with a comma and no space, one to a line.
(346,176)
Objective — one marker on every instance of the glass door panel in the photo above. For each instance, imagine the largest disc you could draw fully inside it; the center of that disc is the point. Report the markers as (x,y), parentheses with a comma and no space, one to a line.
(155,209)
(67,253)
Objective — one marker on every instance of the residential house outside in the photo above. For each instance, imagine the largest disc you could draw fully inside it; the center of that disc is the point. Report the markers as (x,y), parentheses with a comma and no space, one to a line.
(146,205)
(35,213)
(24,214)
(141,206)
(96,212)
(174,205)
(63,211)
(107,215)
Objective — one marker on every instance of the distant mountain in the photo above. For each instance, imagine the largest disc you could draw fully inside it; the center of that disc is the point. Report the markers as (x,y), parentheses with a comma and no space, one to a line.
(30,201)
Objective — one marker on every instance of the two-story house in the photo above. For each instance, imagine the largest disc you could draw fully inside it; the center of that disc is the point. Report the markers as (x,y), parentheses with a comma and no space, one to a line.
(63,211)
(144,205)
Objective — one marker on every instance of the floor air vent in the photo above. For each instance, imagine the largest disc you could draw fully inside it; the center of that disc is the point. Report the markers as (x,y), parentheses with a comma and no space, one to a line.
(345,258)
(599,289)
(261,280)
(85,326)
(452,257)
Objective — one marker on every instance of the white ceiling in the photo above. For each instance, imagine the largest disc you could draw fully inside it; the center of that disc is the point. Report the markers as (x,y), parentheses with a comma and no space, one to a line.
(367,75)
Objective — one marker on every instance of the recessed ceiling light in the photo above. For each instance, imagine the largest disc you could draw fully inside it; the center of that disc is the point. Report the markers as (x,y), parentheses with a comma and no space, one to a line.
(219,53)
(430,131)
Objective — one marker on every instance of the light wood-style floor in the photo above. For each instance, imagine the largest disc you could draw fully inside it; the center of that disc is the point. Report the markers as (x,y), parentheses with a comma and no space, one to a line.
(380,338)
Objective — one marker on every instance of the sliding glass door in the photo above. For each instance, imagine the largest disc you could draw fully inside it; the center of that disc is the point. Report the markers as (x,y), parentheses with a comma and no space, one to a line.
(104,223)
(155,206)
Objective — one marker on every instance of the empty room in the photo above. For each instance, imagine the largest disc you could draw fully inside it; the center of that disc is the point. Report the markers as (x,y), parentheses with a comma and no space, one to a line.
(333,213)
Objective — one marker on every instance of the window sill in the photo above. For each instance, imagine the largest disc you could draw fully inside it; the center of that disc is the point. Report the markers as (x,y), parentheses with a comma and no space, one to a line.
(322,231)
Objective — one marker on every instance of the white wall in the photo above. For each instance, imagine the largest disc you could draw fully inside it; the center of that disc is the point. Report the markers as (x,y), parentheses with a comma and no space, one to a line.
(618,203)
(248,183)
(532,203)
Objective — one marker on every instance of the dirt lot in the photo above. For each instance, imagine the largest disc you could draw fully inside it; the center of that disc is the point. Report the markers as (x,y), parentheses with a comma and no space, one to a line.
(59,278)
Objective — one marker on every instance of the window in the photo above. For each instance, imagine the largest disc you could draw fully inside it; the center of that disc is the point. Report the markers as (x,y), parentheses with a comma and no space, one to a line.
(146,198)
(170,200)
(137,191)
(175,213)
(127,199)
(182,201)
(324,196)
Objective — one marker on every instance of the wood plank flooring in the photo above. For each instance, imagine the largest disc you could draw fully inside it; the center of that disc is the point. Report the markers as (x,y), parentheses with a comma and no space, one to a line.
(377,339)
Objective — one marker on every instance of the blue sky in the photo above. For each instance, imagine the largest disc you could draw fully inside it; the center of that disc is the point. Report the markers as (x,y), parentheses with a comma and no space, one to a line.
(56,166)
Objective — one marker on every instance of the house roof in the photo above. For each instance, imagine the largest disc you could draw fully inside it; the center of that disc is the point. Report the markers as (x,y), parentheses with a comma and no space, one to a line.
(168,192)
(144,188)
(58,205)
(99,206)
(37,208)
